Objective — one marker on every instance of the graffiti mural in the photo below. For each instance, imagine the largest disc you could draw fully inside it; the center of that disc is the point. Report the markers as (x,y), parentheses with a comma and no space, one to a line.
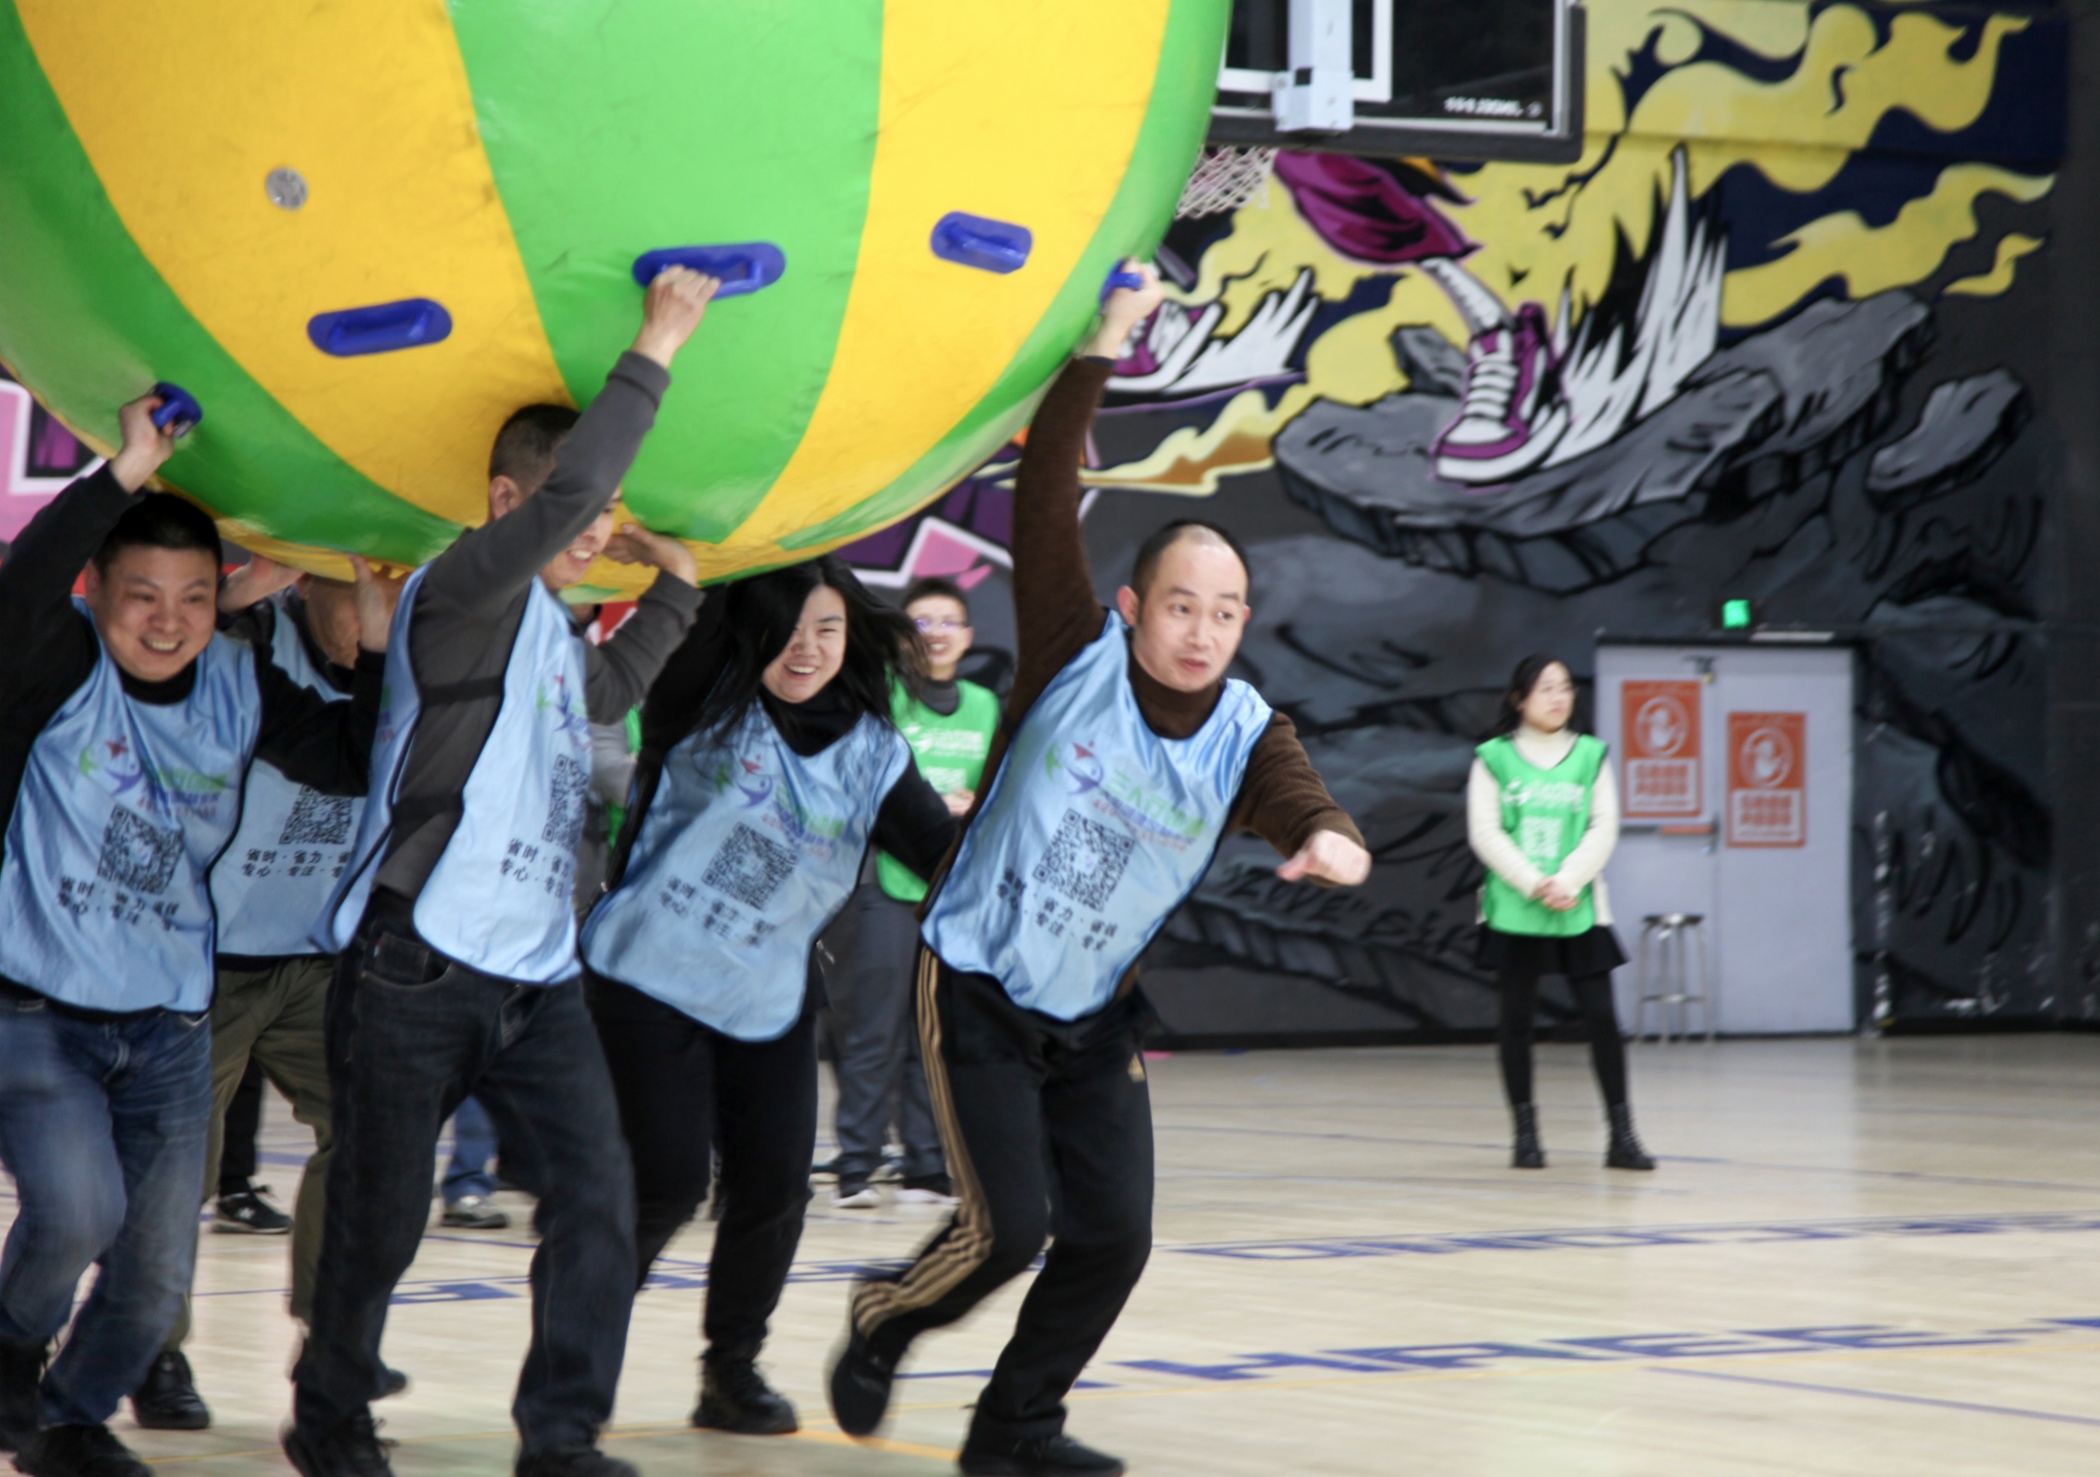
(1772,337)
(38,456)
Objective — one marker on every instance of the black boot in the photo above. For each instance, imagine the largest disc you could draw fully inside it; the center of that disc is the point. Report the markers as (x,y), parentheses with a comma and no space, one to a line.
(167,1399)
(1528,1153)
(1625,1151)
(21,1372)
(861,1376)
(734,1396)
(1035,1456)
(79,1451)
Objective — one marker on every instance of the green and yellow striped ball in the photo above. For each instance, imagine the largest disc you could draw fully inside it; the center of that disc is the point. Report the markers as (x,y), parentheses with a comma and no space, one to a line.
(186,185)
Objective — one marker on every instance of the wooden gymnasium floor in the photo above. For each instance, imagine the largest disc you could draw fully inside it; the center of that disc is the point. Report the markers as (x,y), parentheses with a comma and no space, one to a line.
(1857,1257)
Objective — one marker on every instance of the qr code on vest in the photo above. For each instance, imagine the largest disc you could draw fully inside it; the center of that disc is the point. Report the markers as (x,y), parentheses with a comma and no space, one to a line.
(749,867)
(1085,860)
(317,820)
(138,856)
(565,792)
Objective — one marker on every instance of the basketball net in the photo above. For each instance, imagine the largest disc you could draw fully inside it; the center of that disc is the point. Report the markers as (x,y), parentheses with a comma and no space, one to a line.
(1225,178)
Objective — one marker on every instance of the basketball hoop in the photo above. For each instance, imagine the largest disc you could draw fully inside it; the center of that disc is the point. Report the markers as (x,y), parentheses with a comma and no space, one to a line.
(1225,178)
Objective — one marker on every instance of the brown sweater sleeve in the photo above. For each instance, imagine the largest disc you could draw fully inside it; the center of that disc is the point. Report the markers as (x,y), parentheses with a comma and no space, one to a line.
(1055,609)
(1282,798)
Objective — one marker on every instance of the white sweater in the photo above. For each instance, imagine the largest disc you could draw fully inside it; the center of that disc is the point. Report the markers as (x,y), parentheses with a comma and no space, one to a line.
(1498,851)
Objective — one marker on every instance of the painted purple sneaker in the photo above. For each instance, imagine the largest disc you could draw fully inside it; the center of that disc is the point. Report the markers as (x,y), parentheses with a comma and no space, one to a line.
(1511,413)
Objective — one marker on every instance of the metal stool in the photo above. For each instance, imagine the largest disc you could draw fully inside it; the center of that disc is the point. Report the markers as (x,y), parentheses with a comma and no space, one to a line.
(1665,939)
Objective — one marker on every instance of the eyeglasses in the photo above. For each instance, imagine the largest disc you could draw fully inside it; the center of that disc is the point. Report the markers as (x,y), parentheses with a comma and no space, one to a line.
(929,625)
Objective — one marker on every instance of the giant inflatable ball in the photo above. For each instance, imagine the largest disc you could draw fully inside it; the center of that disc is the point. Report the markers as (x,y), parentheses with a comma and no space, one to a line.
(362,232)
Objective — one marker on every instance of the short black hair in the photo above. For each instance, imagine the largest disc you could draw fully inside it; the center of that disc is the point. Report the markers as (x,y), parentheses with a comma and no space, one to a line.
(524,449)
(1149,553)
(935,586)
(160,520)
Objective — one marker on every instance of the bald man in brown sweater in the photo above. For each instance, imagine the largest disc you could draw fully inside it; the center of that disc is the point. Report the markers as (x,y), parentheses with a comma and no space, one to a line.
(1124,758)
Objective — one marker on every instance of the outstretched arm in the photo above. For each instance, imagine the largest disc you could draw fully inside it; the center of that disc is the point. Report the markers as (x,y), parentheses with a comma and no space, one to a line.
(1283,800)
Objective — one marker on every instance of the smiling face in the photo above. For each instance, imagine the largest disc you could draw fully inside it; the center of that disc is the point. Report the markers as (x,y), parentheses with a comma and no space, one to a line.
(814,653)
(1551,701)
(155,609)
(1186,628)
(572,563)
(944,633)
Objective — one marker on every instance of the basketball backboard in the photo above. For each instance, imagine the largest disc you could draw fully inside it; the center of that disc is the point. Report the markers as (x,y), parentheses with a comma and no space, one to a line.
(1456,79)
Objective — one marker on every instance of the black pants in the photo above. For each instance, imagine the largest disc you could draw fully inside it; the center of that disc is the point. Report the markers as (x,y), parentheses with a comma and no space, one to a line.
(1048,1130)
(409,1035)
(1520,994)
(684,1088)
(237,1162)
(880,1077)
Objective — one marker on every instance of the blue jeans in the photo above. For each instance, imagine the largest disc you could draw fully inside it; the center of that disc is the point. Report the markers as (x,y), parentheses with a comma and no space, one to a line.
(410,1035)
(473,1146)
(102,1125)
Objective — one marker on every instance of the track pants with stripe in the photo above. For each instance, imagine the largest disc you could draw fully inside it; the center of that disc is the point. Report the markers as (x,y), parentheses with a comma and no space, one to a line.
(1048,1130)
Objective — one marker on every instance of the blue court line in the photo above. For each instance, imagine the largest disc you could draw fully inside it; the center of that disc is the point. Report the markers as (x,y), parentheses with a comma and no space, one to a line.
(1747,1379)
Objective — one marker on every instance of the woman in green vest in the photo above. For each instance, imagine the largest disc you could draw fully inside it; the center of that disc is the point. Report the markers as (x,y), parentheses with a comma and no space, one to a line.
(1542,815)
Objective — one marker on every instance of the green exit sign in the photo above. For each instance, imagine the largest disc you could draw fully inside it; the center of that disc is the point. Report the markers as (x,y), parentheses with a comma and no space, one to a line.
(1736,615)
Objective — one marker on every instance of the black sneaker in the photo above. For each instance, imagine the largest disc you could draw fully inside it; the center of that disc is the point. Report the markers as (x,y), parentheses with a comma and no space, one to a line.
(734,1396)
(79,1451)
(391,1383)
(860,1384)
(352,1449)
(573,1461)
(167,1399)
(927,1189)
(1036,1456)
(246,1213)
(21,1372)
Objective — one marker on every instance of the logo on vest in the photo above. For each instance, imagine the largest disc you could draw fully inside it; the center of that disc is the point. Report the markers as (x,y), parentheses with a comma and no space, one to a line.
(1123,795)
(569,718)
(124,774)
(787,813)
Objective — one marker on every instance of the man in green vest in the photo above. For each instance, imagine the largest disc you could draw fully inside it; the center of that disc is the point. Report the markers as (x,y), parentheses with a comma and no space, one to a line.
(949,727)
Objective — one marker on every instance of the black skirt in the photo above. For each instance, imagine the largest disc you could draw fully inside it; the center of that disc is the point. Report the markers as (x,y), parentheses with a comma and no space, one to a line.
(1595,952)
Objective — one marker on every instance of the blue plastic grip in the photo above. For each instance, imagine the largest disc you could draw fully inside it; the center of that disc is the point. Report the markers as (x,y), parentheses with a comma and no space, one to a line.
(1120,278)
(988,245)
(740,269)
(176,404)
(381,328)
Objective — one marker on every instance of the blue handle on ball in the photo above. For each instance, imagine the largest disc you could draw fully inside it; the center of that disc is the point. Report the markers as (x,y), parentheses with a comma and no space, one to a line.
(176,404)
(740,269)
(1120,278)
(981,242)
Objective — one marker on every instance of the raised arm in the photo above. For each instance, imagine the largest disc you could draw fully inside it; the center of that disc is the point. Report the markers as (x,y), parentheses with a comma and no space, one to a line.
(1056,609)
(483,571)
(619,672)
(37,577)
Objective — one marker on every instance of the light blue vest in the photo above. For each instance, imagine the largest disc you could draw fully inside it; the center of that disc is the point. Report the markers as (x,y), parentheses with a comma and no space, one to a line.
(1096,829)
(123,807)
(747,853)
(498,899)
(272,886)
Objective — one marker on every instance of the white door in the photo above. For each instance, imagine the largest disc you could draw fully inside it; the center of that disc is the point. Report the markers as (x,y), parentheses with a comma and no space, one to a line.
(1734,766)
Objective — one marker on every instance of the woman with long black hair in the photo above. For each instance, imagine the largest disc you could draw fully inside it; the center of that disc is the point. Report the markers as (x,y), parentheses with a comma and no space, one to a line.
(1542,814)
(769,764)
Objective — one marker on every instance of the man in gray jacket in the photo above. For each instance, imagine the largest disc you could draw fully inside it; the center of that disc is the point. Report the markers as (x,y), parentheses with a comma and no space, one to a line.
(459,971)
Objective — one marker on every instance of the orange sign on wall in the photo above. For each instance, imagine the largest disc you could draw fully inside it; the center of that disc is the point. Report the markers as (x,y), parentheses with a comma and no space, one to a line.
(1767,779)
(1659,722)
